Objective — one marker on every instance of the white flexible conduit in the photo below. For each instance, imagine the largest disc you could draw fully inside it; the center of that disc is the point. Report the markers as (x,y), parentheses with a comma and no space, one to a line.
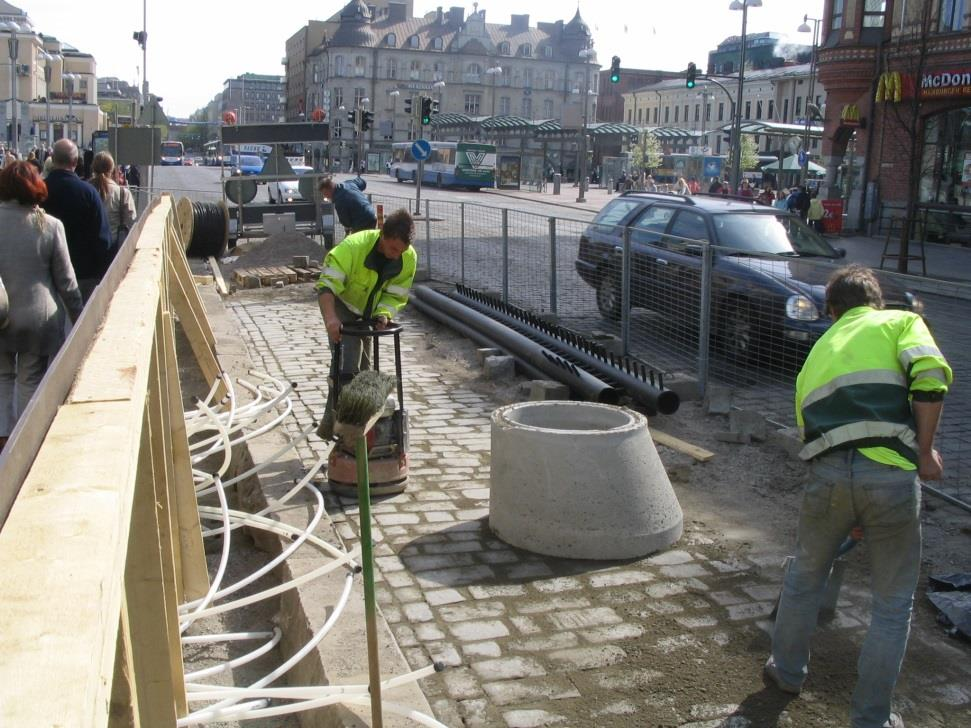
(232,423)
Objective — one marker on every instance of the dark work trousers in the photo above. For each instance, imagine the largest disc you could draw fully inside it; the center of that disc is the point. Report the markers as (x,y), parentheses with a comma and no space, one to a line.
(355,357)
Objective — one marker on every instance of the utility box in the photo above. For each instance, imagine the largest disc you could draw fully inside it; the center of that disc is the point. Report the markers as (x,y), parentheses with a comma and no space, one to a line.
(274,223)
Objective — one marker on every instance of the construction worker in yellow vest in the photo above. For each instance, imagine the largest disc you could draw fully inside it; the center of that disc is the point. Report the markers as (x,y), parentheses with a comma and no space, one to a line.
(868,401)
(367,277)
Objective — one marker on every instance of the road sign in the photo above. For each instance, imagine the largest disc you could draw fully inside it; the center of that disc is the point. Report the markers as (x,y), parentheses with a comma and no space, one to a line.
(421,150)
(803,158)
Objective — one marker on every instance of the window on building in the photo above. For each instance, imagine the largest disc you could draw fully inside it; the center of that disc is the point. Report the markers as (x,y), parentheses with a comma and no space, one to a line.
(527,107)
(758,109)
(771,110)
(656,110)
(785,111)
(437,44)
(697,112)
(504,49)
(630,116)
(526,50)
(527,78)
(549,80)
(547,51)
(473,69)
(392,68)
(391,40)
(837,18)
(707,112)
(873,13)
(667,110)
(504,106)
(414,42)
(359,94)
(951,16)
(677,110)
(360,66)
(721,112)
(578,82)
(338,94)
(414,70)
(472,103)
(338,65)
(798,110)
(685,113)
(748,109)
(548,109)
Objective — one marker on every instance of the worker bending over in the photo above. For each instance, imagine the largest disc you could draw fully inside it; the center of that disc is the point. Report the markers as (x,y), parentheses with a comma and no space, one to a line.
(868,401)
(366,277)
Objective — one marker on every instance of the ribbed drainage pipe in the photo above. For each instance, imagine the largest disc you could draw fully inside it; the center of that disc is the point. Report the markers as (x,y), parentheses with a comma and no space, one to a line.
(579,480)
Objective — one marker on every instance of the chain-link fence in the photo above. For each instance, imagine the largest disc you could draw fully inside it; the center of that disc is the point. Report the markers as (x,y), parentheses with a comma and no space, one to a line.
(723,316)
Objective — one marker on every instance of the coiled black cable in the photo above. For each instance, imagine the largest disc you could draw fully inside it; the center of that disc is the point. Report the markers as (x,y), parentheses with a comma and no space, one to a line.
(208,236)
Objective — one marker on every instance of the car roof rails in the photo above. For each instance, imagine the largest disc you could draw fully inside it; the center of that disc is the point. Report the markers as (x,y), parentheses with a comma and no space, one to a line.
(661,195)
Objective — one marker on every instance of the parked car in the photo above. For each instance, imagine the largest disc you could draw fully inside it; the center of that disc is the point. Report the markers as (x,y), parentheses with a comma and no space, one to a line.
(767,293)
(287,190)
(247,164)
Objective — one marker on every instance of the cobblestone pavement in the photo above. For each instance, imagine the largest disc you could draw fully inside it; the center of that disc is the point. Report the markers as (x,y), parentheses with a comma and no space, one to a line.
(676,639)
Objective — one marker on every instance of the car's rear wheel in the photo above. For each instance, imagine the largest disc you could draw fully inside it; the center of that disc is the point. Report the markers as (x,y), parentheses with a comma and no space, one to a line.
(609,296)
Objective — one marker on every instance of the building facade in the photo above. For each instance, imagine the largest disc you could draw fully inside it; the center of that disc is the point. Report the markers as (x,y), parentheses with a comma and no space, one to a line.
(254,98)
(55,87)
(898,75)
(762,50)
(377,58)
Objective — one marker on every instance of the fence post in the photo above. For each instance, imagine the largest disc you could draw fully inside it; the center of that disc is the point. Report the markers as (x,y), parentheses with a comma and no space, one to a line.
(428,235)
(505,255)
(553,292)
(704,319)
(462,239)
(625,296)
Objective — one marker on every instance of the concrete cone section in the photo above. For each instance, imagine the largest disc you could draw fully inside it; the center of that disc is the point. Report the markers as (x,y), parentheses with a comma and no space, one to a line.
(579,480)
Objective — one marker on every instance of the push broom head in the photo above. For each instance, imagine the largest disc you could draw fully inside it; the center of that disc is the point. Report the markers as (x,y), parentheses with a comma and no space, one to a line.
(361,402)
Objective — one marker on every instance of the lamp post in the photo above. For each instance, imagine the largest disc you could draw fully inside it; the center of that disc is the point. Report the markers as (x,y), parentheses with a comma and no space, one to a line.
(742,5)
(360,129)
(494,71)
(13,46)
(704,96)
(48,59)
(342,112)
(394,110)
(804,28)
(438,86)
(70,78)
(585,54)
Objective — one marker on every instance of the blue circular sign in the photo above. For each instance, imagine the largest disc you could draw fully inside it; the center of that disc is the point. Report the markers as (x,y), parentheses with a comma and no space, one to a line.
(421,150)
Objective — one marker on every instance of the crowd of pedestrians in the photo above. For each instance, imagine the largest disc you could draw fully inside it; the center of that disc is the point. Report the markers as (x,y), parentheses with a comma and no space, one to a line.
(64,215)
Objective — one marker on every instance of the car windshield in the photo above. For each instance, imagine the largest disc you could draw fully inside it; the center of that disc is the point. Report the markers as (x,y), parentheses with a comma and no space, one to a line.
(301,170)
(247,161)
(771,234)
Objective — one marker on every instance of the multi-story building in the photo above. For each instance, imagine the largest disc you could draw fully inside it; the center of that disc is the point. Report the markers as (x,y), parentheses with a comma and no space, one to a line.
(762,50)
(898,76)
(55,87)
(377,57)
(255,98)
(775,110)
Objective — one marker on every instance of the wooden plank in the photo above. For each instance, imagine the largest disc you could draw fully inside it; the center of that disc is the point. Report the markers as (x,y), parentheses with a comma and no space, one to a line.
(195,332)
(218,275)
(698,453)
(179,270)
(62,551)
(124,699)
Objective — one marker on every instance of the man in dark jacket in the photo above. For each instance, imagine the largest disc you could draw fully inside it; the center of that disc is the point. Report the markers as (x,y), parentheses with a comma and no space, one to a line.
(78,205)
(353,209)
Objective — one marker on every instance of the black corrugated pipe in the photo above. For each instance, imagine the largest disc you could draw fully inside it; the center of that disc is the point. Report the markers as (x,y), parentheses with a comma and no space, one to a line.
(551,364)
(469,333)
(655,398)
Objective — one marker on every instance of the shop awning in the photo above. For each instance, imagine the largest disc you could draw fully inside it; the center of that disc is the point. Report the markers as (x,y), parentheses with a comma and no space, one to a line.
(669,132)
(791,164)
(774,128)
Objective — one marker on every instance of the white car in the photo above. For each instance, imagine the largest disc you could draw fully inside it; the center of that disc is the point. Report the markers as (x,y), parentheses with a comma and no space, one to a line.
(287,190)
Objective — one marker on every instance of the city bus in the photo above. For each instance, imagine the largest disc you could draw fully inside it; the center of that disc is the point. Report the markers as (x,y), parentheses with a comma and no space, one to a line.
(212,154)
(172,153)
(451,164)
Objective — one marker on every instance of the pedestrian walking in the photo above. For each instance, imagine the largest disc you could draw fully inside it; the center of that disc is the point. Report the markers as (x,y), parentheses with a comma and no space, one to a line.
(367,277)
(354,211)
(76,204)
(35,270)
(868,400)
(117,199)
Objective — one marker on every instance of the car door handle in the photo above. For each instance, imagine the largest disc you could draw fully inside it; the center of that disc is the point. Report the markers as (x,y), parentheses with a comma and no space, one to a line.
(660,261)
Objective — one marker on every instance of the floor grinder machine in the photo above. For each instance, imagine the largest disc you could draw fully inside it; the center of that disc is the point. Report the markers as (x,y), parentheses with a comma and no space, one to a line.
(387,441)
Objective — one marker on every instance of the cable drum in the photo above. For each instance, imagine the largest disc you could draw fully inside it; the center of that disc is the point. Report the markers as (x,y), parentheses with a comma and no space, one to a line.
(205,228)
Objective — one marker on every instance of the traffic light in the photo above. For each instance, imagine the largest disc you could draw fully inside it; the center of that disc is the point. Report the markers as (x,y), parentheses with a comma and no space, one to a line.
(140,36)
(426,110)
(408,107)
(367,120)
(435,105)
(689,81)
(615,69)
(352,117)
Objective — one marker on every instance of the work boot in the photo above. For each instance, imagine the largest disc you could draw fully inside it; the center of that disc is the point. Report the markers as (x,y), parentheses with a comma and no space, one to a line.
(771,673)
(894,721)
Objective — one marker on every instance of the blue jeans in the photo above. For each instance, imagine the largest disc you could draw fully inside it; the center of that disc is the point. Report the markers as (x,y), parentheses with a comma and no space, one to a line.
(848,489)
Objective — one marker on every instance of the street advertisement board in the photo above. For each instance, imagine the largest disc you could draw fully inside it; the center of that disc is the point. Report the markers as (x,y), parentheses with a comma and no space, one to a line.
(508,172)
(832,216)
(713,167)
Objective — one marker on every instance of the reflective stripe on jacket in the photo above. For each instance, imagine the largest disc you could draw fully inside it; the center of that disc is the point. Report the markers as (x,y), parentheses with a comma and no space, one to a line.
(350,270)
(856,386)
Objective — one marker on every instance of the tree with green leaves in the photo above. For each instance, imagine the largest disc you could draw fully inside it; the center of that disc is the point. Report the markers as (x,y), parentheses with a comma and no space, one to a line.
(648,154)
(750,152)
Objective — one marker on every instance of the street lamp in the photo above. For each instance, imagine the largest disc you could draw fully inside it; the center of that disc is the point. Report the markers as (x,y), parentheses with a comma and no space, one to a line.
(586,54)
(494,71)
(13,46)
(394,110)
(742,5)
(48,58)
(72,78)
(804,28)
(438,86)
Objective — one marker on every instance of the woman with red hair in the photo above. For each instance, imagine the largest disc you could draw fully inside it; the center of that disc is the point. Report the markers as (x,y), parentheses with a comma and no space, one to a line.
(35,268)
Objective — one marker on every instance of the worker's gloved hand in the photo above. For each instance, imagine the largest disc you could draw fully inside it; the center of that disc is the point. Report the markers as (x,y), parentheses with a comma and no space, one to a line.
(381,323)
(334,330)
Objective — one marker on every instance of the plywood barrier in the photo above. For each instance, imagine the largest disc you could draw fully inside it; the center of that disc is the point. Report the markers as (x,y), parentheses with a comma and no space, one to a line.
(101,539)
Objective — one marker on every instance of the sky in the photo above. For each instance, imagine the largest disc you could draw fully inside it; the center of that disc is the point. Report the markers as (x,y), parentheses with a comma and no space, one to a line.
(195,45)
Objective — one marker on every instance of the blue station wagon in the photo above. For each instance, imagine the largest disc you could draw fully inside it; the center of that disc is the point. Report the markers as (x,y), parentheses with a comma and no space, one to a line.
(767,287)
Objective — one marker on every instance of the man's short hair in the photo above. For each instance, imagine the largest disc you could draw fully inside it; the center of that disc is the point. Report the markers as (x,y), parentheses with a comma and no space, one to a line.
(852,286)
(65,153)
(399,225)
(326,182)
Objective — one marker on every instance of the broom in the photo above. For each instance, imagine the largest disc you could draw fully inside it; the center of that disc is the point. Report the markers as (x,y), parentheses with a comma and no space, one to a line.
(358,407)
